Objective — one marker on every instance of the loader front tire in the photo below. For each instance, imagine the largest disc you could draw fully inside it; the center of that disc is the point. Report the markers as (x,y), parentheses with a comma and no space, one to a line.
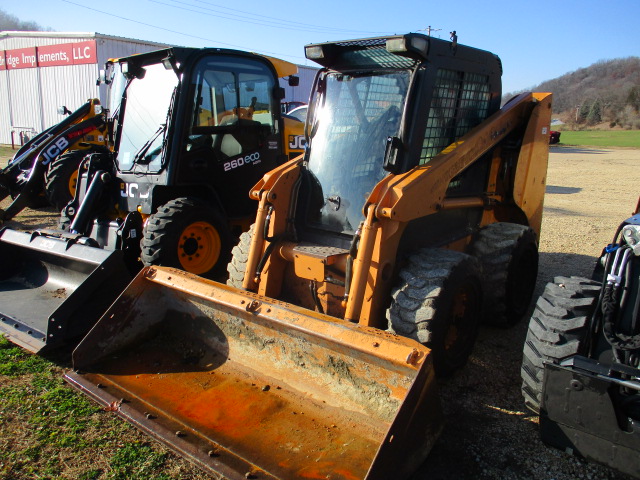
(61,178)
(508,253)
(188,234)
(239,258)
(558,329)
(438,302)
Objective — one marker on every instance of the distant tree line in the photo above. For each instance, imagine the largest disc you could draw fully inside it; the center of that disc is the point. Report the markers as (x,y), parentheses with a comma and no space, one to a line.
(607,91)
(13,23)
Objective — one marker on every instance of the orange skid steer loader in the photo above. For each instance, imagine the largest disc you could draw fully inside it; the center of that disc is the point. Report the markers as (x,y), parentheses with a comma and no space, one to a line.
(413,215)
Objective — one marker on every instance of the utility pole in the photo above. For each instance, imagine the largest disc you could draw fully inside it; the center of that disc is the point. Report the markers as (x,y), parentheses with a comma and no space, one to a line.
(429,29)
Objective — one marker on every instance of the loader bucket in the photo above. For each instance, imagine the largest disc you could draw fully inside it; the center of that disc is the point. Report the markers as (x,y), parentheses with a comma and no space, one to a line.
(52,291)
(250,387)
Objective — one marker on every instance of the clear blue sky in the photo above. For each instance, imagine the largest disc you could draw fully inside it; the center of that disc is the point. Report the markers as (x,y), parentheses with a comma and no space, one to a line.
(536,41)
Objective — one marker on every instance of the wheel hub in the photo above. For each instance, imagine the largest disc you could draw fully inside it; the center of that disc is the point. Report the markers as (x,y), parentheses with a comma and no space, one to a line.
(199,247)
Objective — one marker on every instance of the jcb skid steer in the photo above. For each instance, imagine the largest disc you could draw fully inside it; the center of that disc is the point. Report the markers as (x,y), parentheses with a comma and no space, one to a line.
(192,130)
(580,367)
(416,197)
(44,169)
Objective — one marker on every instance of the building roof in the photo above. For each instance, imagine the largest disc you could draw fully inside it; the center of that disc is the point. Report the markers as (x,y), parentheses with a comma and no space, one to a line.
(40,34)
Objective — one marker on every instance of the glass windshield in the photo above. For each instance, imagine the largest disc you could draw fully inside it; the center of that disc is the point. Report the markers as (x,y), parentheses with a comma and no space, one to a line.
(145,116)
(349,131)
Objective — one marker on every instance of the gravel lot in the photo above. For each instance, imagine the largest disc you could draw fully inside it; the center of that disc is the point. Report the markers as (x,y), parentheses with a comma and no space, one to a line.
(489,434)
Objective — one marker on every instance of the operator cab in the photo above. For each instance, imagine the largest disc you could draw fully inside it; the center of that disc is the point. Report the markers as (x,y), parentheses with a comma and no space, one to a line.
(387,105)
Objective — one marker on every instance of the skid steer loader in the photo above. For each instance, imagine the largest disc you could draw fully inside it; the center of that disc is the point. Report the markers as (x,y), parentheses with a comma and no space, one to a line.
(44,170)
(581,356)
(363,275)
(193,130)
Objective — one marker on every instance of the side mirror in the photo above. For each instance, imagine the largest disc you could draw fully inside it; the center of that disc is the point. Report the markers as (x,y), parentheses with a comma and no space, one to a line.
(102,78)
(294,80)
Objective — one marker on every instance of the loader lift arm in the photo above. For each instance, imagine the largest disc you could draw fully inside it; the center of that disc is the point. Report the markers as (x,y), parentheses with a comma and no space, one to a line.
(396,200)
(24,177)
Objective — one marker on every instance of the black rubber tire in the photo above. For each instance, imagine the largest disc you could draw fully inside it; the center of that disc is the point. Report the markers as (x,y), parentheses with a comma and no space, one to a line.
(508,253)
(239,257)
(558,329)
(60,175)
(432,284)
(171,238)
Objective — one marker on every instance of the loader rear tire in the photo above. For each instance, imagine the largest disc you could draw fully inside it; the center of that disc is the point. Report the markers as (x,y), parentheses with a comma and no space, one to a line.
(239,258)
(188,234)
(508,253)
(438,302)
(558,329)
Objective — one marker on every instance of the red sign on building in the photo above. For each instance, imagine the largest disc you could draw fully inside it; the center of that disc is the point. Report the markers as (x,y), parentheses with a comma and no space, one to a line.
(67,54)
(50,55)
(21,58)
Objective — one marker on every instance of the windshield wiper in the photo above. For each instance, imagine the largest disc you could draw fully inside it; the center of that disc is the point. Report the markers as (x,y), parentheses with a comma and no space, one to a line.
(145,148)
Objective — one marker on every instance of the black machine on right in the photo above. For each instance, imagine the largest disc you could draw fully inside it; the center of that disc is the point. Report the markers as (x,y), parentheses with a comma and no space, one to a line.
(580,367)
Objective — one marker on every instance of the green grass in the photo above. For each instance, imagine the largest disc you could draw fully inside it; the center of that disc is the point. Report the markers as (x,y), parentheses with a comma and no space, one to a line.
(50,431)
(5,154)
(15,361)
(602,138)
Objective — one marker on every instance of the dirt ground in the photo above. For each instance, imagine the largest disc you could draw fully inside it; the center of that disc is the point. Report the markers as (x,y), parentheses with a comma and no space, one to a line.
(489,434)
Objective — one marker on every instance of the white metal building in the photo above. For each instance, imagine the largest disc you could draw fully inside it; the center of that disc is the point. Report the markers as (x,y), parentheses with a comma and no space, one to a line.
(302,91)
(41,71)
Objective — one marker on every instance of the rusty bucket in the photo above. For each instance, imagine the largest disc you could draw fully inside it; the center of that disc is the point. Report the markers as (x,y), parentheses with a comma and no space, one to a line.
(250,387)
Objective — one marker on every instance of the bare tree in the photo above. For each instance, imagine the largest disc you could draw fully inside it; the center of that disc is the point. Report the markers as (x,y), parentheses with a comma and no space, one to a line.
(11,22)
(598,93)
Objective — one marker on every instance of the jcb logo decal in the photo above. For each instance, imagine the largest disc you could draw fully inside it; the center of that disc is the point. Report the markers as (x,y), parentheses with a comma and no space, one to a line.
(132,190)
(297,142)
(54,150)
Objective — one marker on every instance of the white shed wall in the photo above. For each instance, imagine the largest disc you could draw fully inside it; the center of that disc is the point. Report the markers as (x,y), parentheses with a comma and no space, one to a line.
(30,97)
(23,102)
(70,86)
